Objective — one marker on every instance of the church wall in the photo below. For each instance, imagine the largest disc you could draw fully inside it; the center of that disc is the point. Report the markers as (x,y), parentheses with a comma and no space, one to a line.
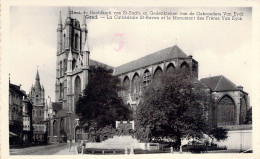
(152,68)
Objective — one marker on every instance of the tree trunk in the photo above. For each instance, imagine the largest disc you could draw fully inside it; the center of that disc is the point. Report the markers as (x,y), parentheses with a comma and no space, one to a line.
(178,141)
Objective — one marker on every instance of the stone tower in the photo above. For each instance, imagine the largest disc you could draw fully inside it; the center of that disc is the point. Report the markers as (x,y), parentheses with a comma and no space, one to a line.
(72,67)
(72,61)
(37,96)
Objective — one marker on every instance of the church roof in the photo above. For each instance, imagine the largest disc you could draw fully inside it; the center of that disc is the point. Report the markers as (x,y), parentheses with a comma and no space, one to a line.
(37,84)
(219,83)
(96,63)
(159,56)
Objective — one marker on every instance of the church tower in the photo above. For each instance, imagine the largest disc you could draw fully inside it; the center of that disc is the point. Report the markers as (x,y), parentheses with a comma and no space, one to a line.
(72,68)
(37,96)
(72,60)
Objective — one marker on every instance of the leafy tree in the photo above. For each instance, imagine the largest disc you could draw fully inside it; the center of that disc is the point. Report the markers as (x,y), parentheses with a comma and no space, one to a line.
(100,105)
(173,107)
(218,133)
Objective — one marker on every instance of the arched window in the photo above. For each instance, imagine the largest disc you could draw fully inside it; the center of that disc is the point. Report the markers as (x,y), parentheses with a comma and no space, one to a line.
(243,110)
(61,68)
(77,90)
(226,111)
(185,66)
(40,113)
(170,68)
(65,65)
(158,73)
(136,83)
(146,78)
(73,64)
(55,128)
(62,126)
(126,85)
(33,113)
(76,41)
(61,91)
(64,41)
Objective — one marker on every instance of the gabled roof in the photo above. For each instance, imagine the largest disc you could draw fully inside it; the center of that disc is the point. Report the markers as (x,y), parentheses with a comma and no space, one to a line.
(159,56)
(219,83)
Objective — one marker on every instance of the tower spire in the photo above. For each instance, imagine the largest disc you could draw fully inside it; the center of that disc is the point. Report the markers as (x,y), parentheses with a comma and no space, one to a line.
(37,84)
(60,20)
(37,75)
(84,21)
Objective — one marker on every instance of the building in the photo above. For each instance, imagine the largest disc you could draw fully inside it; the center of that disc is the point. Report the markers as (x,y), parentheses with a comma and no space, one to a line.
(37,96)
(27,121)
(15,114)
(72,73)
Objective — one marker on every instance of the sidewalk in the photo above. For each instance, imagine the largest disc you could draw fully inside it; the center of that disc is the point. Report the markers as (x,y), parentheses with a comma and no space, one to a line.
(24,151)
(67,150)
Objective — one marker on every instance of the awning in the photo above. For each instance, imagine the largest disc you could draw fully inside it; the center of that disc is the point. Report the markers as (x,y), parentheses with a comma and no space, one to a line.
(12,134)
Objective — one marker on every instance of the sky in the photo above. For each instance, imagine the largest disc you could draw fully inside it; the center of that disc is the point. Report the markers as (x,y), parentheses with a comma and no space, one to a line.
(220,47)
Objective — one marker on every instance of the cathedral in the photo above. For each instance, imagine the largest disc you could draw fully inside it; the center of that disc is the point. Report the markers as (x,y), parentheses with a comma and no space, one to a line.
(72,75)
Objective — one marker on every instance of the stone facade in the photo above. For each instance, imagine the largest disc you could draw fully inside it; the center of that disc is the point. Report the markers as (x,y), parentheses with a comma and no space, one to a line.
(16,96)
(27,121)
(136,79)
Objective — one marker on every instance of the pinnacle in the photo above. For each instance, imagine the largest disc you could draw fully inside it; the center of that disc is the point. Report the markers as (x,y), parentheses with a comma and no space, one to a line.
(60,19)
(86,48)
(70,56)
(68,13)
(83,20)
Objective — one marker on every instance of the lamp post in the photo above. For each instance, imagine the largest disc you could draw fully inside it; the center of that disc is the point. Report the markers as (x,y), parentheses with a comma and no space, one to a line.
(240,122)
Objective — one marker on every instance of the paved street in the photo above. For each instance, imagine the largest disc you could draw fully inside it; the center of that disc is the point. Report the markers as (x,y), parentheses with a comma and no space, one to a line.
(53,149)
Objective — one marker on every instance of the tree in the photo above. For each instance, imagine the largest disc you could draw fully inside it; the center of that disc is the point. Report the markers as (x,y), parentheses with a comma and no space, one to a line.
(218,133)
(173,106)
(100,105)
(249,116)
